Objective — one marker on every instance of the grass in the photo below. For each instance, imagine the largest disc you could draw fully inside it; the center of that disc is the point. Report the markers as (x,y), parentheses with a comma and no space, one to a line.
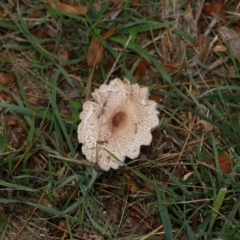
(178,188)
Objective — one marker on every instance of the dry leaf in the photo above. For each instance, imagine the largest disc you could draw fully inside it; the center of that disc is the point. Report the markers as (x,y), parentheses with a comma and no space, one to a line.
(195,219)
(232,72)
(142,226)
(179,172)
(225,164)
(113,209)
(107,64)
(62,225)
(37,13)
(215,8)
(141,70)
(13,55)
(11,122)
(132,185)
(219,48)
(34,100)
(22,140)
(39,33)
(78,10)
(67,194)
(95,52)
(149,186)
(2,11)
(207,127)
(96,49)
(7,79)
(73,93)
(157,98)
(7,97)
(63,56)
(20,130)
(232,38)
(170,67)
(74,139)
(3,213)
(187,175)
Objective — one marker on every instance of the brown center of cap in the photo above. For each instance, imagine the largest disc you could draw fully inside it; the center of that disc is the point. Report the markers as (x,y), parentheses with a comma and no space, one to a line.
(118,119)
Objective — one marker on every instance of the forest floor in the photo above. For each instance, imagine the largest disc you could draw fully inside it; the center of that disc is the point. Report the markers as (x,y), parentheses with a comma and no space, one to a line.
(185,185)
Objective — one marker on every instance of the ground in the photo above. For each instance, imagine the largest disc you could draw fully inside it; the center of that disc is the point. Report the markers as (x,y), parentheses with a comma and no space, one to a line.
(185,185)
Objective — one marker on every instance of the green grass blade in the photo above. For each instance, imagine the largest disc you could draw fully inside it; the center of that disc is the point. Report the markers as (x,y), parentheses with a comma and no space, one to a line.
(164,217)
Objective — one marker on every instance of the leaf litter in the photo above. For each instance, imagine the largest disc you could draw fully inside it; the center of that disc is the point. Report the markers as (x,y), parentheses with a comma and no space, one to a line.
(53,59)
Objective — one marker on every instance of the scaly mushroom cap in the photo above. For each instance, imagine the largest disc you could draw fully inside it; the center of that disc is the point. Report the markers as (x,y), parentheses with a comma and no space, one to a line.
(117,123)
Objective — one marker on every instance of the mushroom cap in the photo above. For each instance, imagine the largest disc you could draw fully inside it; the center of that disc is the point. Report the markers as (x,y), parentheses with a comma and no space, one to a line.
(117,123)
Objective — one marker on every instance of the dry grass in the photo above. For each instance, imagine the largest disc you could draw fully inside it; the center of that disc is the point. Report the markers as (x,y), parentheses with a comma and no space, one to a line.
(185,185)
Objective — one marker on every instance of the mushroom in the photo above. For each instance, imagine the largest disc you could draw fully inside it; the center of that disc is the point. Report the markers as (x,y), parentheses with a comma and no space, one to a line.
(117,123)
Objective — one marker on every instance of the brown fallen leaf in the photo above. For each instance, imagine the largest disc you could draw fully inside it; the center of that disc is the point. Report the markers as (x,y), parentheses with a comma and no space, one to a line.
(157,98)
(207,126)
(34,100)
(11,122)
(215,8)
(39,33)
(20,130)
(77,10)
(74,139)
(22,140)
(132,185)
(142,225)
(95,52)
(7,79)
(141,70)
(62,225)
(219,48)
(68,194)
(96,49)
(170,67)
(231,73)
(191,94)
(195,219)
(231,37)
(2,11)
(63,56)
(113,209)
(7,97)
(73,93)
(225,163)
(107,63)
(37,13)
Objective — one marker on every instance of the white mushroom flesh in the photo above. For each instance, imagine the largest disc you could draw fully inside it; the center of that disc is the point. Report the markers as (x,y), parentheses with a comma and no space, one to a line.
(117,123)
